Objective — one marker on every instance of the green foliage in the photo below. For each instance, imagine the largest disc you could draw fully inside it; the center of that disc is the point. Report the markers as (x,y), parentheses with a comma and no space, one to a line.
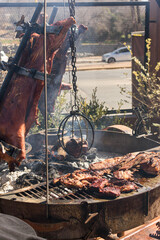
(97,112)
(120,120)
(147,85)
(94,110)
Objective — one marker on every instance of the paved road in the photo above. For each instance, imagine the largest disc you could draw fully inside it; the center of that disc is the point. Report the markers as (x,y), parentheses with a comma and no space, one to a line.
(108,84)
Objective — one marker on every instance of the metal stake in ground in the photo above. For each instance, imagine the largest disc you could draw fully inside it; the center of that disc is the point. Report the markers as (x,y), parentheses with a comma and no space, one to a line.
(46,123)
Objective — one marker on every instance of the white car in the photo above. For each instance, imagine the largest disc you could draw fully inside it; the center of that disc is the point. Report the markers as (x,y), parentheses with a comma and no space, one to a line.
(4,57)
(120,54)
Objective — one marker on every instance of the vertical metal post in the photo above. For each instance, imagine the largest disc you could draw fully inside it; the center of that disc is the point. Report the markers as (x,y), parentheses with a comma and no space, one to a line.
(64,6)
(53,15)
(147,12)
(0,60)
(46,122)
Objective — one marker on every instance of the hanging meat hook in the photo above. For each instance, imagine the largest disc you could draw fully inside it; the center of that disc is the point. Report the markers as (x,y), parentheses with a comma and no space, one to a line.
(76,133)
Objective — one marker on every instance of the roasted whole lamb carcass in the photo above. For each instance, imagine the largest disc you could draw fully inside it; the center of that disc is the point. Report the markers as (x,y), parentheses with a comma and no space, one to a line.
(18,109)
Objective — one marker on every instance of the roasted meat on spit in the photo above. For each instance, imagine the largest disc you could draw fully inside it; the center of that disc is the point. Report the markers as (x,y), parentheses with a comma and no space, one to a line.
(18,109)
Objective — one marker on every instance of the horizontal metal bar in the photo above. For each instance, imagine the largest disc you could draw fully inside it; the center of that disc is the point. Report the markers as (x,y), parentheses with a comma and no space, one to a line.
(120,111)
(79,4)
(101,4)
(28,73)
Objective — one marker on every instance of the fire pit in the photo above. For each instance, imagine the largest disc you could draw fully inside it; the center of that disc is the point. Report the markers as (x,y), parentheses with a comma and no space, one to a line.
(78,214)
(69,214)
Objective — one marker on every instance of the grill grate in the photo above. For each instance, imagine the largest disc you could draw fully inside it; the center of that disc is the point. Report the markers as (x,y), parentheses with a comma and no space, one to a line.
(59,193)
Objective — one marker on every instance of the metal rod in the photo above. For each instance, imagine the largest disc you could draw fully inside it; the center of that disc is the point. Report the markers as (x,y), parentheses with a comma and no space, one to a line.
(147,14)
(64,5)
(53,15)
(19,51)
(127,110)
(78,4)
(46,122)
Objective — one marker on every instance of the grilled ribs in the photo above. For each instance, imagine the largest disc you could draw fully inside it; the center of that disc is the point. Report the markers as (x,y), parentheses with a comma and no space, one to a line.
(128,187)
(102,179)
(77,179)
(99,183)
(110,191)
(126,175)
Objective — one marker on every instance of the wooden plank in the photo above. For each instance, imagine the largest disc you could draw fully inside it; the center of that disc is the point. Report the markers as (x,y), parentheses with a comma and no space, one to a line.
(143,231)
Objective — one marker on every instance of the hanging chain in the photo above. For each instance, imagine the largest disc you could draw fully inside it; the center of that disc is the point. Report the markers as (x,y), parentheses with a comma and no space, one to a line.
(73,52)
(72,8)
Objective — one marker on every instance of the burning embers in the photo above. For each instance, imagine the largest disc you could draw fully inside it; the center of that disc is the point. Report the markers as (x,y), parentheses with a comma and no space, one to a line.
(114,176)
(33,170)
(107,178)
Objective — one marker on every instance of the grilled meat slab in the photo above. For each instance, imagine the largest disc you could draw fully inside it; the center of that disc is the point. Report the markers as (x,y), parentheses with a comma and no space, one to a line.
(77,179)
(106,164)
(112,192)
(126,175)
(128,187)
(151,165)
(102,178)
(99,183)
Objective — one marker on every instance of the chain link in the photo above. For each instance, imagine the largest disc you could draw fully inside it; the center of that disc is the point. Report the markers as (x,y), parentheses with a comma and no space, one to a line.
(73,51)
(72,7)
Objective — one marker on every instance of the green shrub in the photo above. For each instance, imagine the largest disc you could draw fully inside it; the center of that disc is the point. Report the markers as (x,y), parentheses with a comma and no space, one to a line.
(94,110)
(147,94)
